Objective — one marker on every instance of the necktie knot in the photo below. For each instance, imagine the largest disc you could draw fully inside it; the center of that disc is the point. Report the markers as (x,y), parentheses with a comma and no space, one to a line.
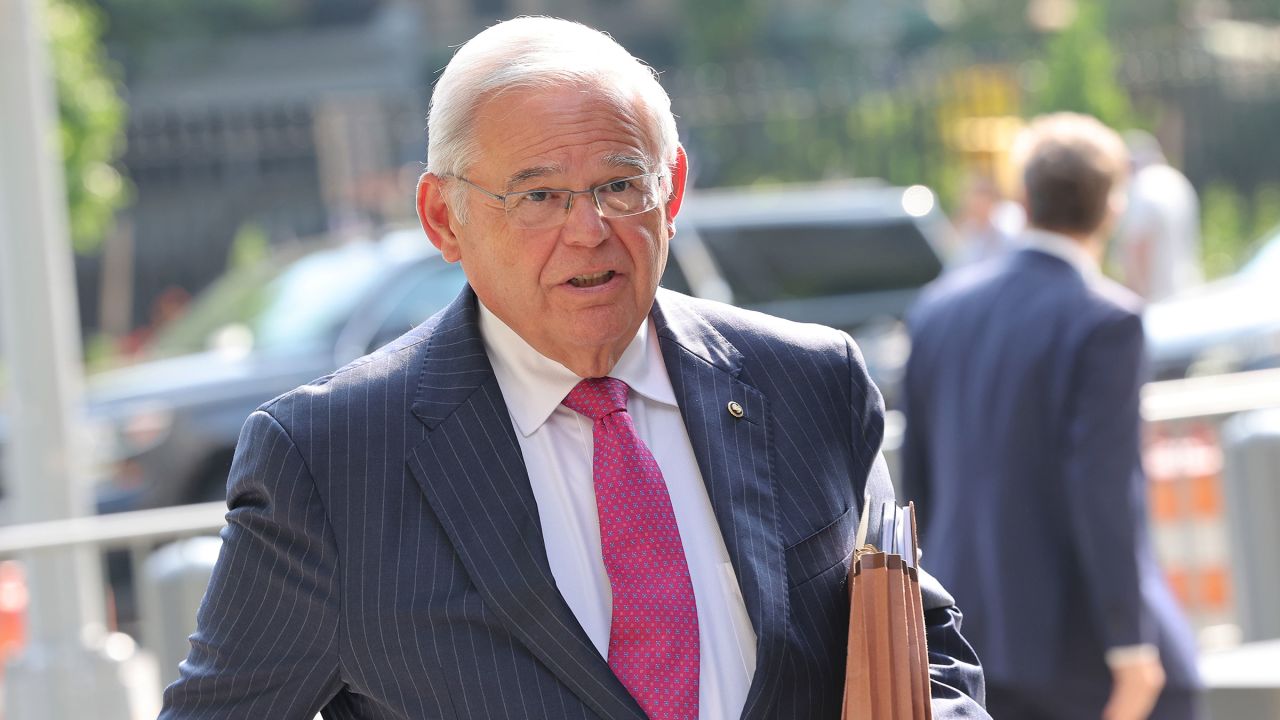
(597,397)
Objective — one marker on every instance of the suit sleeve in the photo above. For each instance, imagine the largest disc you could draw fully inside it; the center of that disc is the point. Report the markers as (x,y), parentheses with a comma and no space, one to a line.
(914,454)
(1105,484)
(266,638)
(956,682)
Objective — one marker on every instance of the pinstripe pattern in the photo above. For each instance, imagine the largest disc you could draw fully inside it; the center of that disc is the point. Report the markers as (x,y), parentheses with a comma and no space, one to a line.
(384,559)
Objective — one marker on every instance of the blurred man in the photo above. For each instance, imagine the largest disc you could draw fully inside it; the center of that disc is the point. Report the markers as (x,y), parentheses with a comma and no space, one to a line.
(1157,246)
(1022,452)
(569,494)
(982,222)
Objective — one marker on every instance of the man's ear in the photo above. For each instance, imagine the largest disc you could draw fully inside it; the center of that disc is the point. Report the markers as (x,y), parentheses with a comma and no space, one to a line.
(679,176)
(437,221)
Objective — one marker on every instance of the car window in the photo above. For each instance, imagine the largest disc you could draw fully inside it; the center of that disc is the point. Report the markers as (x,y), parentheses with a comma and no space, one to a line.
(414,296)
(769,262)
(297,307)
(307,304)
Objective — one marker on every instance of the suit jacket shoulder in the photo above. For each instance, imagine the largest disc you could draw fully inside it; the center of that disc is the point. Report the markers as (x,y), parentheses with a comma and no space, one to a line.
(388,377)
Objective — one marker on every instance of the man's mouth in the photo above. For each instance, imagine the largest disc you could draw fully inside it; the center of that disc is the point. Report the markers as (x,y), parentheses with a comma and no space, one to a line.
(592,280)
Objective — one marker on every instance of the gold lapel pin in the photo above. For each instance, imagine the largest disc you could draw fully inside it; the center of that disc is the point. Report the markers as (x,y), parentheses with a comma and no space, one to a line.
(736,410)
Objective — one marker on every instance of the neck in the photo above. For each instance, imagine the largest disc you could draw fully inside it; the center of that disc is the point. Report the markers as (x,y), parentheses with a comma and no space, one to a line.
(1091,242)
(589,362)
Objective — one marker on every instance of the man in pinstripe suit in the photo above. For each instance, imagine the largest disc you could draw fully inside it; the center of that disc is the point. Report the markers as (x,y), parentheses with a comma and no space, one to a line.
(417,535)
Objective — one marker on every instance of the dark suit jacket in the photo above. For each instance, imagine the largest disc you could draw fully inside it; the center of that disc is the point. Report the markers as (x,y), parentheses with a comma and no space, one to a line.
(384,557)
(1022,452)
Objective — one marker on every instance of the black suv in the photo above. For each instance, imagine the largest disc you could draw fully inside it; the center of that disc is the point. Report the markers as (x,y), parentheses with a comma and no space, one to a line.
(851,255)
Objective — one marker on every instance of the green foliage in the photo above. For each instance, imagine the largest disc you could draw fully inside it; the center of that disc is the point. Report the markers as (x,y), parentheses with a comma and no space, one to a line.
(1258,10)
(721,30)
(101,353)
(1223,229)
(984,22)
(1266,210)
(250,247)
(91,120)
(1080,72)
(1232,224)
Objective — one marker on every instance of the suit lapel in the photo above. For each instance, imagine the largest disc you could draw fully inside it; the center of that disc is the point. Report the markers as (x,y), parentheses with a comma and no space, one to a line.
(734,456)
(473,475)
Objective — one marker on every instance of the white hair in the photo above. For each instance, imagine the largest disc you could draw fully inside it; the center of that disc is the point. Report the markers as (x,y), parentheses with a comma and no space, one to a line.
(541,53)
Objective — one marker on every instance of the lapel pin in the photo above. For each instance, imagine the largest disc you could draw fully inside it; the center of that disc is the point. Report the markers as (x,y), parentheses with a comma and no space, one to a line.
(736,410)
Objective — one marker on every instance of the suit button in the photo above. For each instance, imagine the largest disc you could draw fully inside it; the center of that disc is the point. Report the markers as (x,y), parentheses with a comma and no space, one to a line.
(736,410)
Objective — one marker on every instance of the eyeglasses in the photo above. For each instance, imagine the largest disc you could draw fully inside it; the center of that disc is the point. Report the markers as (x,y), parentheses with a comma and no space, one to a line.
(533,209)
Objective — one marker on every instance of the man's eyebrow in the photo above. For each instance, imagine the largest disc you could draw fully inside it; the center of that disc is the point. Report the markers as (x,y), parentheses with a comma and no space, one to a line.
(636,162)
(531,173)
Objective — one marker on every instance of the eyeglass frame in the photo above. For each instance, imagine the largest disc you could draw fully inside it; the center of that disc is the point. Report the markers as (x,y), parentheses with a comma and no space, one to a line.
(568,206)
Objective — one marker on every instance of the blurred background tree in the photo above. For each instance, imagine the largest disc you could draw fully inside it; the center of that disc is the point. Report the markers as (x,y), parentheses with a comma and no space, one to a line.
(91,120)
(1233,224)
(916,91)
(1224,228)
(1080,72)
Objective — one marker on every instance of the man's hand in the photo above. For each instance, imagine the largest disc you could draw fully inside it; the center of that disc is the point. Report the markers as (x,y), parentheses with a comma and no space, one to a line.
(1136,683)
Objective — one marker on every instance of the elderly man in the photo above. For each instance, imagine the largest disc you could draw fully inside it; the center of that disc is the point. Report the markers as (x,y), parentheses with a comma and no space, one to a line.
(1022,448)
(569,494)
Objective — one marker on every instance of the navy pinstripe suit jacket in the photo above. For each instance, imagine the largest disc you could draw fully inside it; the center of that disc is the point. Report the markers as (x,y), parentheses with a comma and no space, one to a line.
(383,556)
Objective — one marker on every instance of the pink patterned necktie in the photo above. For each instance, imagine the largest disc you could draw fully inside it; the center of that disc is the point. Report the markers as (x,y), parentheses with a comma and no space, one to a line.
(653,637)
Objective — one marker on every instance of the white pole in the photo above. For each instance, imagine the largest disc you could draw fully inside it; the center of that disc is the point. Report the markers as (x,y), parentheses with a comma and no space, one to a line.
(64,672)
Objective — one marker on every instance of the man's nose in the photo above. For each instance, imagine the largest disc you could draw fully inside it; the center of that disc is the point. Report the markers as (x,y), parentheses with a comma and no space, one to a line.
(585,225)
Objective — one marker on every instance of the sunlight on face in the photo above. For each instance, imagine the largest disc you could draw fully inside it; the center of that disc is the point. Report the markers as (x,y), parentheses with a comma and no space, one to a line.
(578,291)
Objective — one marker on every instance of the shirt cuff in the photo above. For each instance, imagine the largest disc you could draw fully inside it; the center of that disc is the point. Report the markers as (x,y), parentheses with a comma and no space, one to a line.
(1131,655)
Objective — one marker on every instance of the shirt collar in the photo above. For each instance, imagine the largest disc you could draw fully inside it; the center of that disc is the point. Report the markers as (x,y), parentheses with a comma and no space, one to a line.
(1062,247)
(533,385)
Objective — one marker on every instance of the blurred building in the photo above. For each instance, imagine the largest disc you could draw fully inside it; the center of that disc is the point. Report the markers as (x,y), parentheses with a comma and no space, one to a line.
(319,128)
(291,134)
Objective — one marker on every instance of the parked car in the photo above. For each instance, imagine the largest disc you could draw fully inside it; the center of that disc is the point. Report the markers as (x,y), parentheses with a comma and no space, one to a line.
(850,255)
(1225,326)
(173,421)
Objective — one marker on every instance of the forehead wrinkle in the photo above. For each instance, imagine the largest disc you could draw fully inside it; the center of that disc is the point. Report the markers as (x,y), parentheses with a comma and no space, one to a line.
(540,144)
(627,160)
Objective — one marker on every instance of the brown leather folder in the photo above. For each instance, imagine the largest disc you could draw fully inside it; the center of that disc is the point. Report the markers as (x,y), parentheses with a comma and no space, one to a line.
(887,676)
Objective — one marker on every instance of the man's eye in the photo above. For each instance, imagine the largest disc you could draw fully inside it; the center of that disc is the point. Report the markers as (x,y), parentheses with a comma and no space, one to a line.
(618,186)
(538,196)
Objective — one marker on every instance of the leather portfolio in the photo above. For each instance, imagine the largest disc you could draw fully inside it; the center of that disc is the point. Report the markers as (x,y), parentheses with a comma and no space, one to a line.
(887,675)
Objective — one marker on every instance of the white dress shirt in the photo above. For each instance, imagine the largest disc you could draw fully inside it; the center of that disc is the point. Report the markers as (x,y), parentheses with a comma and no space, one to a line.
(557,446)
(1063,248)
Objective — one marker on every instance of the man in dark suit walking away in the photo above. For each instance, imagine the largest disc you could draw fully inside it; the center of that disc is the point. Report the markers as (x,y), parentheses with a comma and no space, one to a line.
(1022,452)
(570,494)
